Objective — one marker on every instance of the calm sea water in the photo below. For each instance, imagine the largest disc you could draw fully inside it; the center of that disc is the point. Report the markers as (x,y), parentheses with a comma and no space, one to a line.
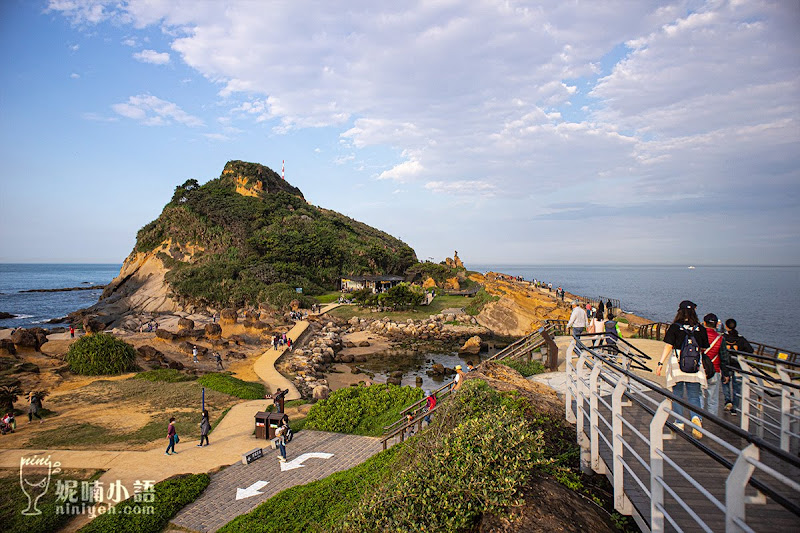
(761,299)
(33,309)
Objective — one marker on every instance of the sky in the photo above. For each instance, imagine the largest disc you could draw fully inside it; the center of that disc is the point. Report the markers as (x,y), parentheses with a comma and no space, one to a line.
(564,132)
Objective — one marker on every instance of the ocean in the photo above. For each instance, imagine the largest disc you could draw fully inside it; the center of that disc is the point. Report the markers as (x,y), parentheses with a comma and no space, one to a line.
(36,308)
(761,299)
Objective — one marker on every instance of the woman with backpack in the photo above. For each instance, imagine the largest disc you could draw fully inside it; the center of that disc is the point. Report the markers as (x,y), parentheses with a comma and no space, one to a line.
(685,341)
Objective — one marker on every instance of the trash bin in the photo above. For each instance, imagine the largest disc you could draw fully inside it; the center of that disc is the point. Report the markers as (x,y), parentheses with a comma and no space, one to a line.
(262,423)
(273,421)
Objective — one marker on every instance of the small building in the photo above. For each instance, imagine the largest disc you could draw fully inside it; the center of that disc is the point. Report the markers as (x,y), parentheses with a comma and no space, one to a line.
(375,283)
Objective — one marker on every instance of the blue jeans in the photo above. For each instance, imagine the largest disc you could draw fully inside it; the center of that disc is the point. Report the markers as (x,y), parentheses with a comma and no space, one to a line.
(282,447)
(711,395)
(689,390)
(577,331)
(733,391)
(171,445)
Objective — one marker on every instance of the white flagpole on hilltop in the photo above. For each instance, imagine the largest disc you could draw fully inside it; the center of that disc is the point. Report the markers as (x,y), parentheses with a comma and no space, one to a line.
(283,169)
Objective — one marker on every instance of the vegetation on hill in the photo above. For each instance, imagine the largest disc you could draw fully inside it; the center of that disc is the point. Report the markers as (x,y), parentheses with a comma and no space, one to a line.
(399,297)
(260,247)
(101,354)
(361,410)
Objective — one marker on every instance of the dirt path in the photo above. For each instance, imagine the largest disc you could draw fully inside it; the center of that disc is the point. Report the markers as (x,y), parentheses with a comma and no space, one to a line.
(264,367)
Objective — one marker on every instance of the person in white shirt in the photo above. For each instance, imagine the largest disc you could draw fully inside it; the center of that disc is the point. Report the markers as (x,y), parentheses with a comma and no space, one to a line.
(578,319)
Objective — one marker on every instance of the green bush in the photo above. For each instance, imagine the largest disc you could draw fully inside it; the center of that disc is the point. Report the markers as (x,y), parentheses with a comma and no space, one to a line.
(475,459)
(170,496)
(525,368)
(227,384)
(320,505)
(168,375)
(101,354)
(361,410)
(477,302)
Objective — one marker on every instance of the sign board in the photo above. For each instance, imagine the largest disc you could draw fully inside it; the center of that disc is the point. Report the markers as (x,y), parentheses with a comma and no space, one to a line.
(299,289)
(252,455)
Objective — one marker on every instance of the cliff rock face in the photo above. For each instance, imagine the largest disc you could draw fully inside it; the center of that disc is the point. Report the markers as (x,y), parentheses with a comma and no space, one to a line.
(519,311)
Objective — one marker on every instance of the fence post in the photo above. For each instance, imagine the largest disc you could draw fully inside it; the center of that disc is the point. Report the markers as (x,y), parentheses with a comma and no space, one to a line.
(745,422)
(786,409)
(552,351)
(735,486)
(571,381)
(657,465)
(583,439)
(621,502)
(594,419)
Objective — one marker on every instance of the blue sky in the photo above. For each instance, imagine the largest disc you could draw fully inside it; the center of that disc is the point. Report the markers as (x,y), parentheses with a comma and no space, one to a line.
(599,132)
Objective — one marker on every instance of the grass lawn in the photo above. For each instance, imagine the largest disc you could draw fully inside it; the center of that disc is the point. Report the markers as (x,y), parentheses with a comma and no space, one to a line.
(328,297)
(13,501)
(419,312)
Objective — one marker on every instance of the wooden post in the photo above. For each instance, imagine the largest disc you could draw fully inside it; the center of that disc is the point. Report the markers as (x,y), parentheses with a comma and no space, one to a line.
(552,351)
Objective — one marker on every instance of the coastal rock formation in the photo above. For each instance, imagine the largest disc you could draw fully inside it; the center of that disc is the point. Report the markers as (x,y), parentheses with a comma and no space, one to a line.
(519,310)
(213,331)
(228,317)
(7,347)
(471,347)
(185,323)
(29,338)
(4,315)
(92,325)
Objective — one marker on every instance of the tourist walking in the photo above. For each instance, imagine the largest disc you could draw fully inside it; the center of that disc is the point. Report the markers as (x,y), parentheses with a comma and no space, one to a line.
(731,379)
(430,403)
(577,320)
(218,359)
(34,406)
(280,434)
(684,341)
(278,399)
(205,427)
(172,435)
(72,331)
(716,344)
(612,335)
(601,309)
(194,354)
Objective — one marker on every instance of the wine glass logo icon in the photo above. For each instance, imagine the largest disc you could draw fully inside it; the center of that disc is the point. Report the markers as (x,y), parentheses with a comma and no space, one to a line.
(34,479)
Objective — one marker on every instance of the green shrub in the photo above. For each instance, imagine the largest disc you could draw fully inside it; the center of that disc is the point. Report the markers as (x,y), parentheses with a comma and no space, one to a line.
(101,354)
(170,496)
(361,410)
(320,505)
(475,459)
(525,368)
(478,302)
(227,384)
(168,375)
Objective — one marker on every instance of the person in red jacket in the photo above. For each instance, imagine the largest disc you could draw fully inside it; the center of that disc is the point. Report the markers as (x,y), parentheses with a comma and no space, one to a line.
(715,341)
(430,403)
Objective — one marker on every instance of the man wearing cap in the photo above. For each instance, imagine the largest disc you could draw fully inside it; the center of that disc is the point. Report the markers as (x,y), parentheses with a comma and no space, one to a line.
(716,344)
(578,319)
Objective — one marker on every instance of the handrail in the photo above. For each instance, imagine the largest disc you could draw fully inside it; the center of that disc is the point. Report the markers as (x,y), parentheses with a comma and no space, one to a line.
(409,423)
(418,403)
(583,386)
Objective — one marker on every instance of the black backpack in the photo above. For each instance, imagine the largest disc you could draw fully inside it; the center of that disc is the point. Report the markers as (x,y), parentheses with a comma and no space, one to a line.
(691,356)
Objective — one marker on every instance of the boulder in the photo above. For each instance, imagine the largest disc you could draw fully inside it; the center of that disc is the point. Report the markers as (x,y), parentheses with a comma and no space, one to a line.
(295,305)
(4,315)
(177,365)
(23,338)
(438,369)
(429,283)
(185,323)
(397,374)
(364,344)
(149,353)
(321,392)
(346,358)
(92,325)
(360,358)
(471,347)
(235,355)
(393,381)
(164,334)
(7,347)
(452,283)
(213,331)
(228,316)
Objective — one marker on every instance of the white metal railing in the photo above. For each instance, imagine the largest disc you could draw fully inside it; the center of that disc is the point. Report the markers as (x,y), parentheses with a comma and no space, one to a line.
(597,379)
(771,399)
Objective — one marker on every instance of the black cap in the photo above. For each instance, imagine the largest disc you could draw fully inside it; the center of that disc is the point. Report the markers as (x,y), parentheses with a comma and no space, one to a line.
(711,318)
(686,304)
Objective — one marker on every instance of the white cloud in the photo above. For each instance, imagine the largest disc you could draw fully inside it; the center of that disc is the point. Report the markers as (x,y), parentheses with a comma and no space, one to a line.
(151,56)
(75,47)
(609,103)
(342,159)
(216,136)
(153,111)
(75,76)
(130,41)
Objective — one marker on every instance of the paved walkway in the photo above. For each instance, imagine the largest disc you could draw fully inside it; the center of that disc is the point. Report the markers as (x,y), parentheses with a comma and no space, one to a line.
(264,367)
(240,488)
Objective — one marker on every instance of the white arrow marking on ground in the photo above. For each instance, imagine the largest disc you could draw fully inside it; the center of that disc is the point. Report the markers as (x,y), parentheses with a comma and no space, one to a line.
(297,462)
(252,490)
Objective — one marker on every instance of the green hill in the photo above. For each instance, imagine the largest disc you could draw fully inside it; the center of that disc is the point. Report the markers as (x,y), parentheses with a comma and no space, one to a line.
(251,237)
